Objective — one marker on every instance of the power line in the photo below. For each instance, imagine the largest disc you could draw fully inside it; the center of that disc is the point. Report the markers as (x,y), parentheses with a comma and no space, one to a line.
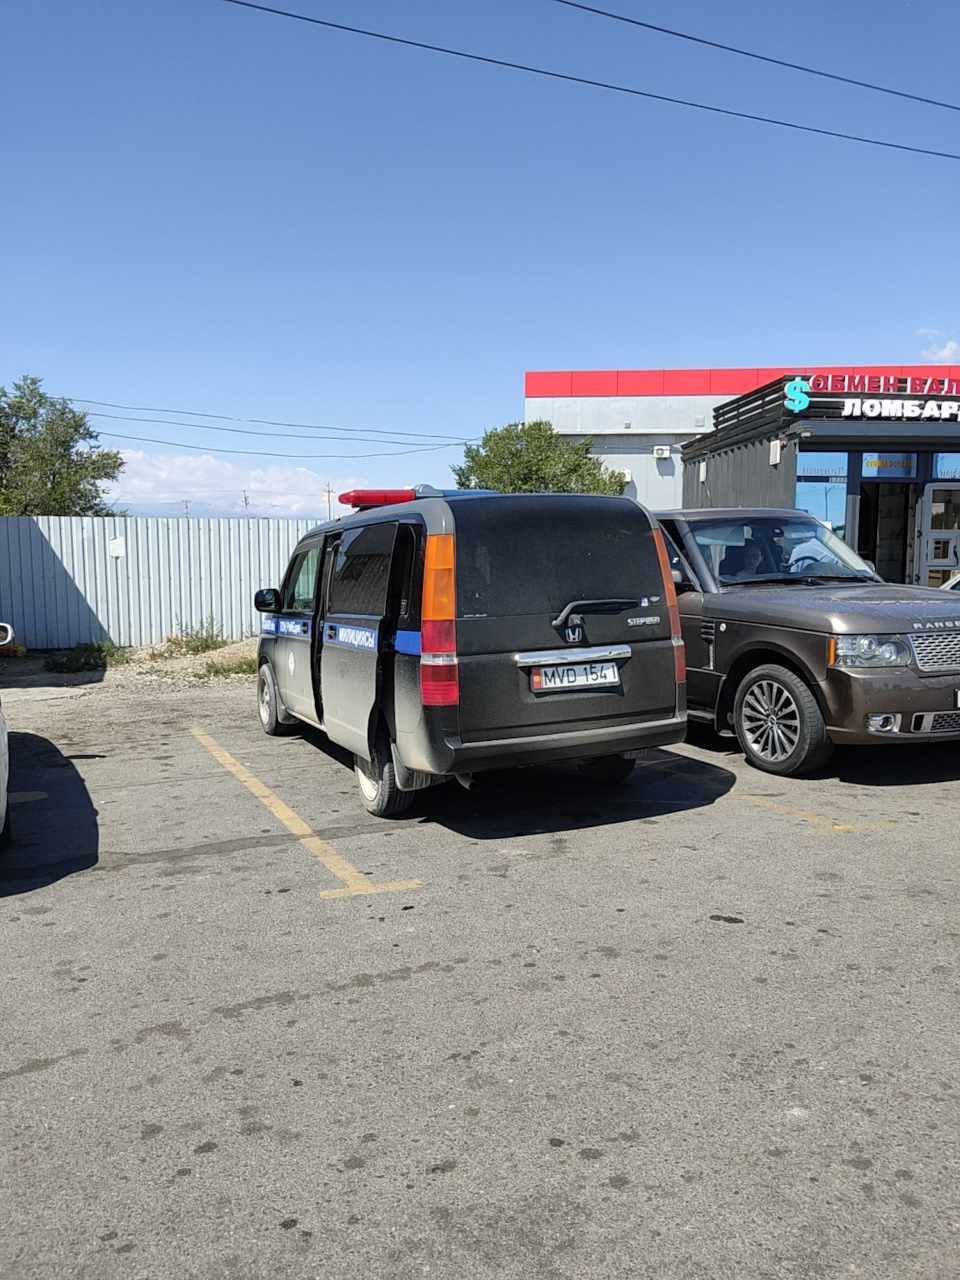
(235,489)
(595,84)
(274,435)
(260,453)
(758,57)
(224,417)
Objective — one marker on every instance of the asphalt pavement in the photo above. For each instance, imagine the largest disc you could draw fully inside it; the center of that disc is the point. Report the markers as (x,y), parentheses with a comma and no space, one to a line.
(703,1024)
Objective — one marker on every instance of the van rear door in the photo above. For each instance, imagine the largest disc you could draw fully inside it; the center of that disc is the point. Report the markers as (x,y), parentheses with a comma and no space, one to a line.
(563,619)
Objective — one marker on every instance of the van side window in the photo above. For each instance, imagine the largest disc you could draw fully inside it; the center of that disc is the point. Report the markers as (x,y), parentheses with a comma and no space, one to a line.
(331,547)
(362,571)
(300,588)
(403,598)
(677,560)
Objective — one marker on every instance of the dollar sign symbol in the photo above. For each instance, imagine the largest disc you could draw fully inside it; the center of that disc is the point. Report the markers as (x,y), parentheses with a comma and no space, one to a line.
(795,394)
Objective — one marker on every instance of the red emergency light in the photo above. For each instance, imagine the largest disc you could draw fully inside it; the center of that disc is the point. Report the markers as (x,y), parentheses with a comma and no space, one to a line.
(361,499)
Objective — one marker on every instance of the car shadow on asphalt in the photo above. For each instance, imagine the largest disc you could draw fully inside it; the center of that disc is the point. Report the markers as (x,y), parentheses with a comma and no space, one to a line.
(53,821)
(557,798)
(886,765)
(882,765)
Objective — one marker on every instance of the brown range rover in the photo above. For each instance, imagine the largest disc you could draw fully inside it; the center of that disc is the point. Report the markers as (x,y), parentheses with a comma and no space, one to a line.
(796,645)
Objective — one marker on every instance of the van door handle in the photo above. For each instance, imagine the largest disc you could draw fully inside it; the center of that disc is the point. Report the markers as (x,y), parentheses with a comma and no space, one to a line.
(331,631)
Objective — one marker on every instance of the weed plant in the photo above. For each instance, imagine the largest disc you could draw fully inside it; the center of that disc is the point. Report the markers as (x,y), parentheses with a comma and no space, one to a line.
(88,656)
(191,640)
(238,667)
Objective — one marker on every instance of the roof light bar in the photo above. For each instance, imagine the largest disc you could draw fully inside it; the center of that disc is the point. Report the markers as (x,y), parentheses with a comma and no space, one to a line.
(361,499)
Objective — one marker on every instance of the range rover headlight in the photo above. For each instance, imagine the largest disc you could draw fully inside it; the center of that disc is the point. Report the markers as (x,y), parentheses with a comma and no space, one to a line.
(868,651)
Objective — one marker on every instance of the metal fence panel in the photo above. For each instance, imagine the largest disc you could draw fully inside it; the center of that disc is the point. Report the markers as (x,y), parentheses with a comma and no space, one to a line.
(137,580)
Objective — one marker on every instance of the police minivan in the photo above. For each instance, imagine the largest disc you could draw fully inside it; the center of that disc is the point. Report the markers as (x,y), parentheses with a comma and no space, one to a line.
(437,634)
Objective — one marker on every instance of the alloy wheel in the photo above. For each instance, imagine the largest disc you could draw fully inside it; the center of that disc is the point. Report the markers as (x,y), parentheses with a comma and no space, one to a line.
(770,720)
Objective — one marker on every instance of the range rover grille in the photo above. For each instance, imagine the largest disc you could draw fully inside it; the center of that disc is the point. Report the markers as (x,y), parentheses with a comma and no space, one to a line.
(937,650)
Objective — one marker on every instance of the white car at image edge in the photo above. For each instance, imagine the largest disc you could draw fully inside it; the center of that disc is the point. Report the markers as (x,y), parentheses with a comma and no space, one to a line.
(6,637)
(951,584)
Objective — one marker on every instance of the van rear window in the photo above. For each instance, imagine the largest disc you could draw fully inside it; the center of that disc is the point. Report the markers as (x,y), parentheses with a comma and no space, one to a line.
(532,554)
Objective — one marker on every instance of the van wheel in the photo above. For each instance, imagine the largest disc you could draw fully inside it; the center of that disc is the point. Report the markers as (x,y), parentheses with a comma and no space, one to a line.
(377,782)
(778,723)
(606,770)
(268,703)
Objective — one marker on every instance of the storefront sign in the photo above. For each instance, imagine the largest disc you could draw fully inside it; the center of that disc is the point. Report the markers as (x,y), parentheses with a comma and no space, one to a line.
(947,466)
(879,384)
(925,410)
(889,466)
(795,396)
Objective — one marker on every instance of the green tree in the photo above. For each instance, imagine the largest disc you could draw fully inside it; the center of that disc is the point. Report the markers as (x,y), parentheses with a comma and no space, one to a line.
(529,457)
(50,463)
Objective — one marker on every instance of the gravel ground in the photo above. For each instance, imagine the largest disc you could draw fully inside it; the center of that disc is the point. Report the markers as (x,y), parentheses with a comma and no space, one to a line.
(148,666)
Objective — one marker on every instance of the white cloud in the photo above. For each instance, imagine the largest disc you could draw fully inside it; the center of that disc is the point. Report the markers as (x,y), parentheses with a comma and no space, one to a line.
(161,484)
(947,352)
(943,353)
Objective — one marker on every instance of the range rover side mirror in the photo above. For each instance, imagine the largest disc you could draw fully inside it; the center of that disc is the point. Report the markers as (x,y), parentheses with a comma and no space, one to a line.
(267,600)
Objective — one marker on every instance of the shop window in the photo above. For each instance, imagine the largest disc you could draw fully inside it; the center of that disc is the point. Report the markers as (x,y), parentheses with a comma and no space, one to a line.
(822,487)
(889,466)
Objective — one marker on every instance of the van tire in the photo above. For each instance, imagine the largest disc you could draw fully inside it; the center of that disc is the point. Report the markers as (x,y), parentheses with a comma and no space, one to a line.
(5,831)
(607,770)
(377,784)
(778,723)
(268,703)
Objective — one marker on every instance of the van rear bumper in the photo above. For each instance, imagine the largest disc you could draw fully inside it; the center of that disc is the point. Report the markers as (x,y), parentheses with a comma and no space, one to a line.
(505,753)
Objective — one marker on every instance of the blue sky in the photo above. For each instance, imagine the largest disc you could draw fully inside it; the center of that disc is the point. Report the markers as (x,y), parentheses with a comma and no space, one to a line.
(213,209)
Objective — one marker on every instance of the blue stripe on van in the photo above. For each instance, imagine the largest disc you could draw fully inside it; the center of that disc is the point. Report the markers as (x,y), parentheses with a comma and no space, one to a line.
(351,637)
(270,625)
(408,642)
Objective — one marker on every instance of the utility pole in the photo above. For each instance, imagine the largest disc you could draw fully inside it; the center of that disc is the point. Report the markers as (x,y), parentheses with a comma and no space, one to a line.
(186,506)
(246,504)
(328,491)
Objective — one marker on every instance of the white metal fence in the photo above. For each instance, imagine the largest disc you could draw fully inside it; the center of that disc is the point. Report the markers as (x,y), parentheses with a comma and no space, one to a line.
(136,580)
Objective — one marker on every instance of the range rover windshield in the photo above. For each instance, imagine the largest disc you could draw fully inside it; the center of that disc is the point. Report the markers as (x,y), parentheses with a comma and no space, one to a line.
(767,549)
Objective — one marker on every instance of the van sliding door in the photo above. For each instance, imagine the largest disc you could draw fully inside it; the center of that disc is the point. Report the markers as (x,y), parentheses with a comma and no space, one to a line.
(353,636)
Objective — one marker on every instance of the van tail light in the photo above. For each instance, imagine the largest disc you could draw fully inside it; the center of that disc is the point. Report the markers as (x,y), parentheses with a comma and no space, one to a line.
(439,670)
(670,595)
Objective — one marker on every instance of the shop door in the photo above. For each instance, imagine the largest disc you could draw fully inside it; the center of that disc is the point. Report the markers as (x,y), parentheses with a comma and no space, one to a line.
(885,529)
(938,534)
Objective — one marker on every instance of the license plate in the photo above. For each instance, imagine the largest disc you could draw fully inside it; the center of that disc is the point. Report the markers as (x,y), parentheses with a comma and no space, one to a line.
(581,675)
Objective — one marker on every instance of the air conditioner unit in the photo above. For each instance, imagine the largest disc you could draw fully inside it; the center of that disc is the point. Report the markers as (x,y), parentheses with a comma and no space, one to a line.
(661,451)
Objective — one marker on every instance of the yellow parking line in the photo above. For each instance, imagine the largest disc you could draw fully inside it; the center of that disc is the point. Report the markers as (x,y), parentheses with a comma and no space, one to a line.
(815,819)
(355,882)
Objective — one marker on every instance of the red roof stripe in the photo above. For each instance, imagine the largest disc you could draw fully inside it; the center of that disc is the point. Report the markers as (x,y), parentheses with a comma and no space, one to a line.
(699,382)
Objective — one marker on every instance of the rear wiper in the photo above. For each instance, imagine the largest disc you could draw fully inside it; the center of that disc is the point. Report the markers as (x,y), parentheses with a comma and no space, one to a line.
(593,606)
